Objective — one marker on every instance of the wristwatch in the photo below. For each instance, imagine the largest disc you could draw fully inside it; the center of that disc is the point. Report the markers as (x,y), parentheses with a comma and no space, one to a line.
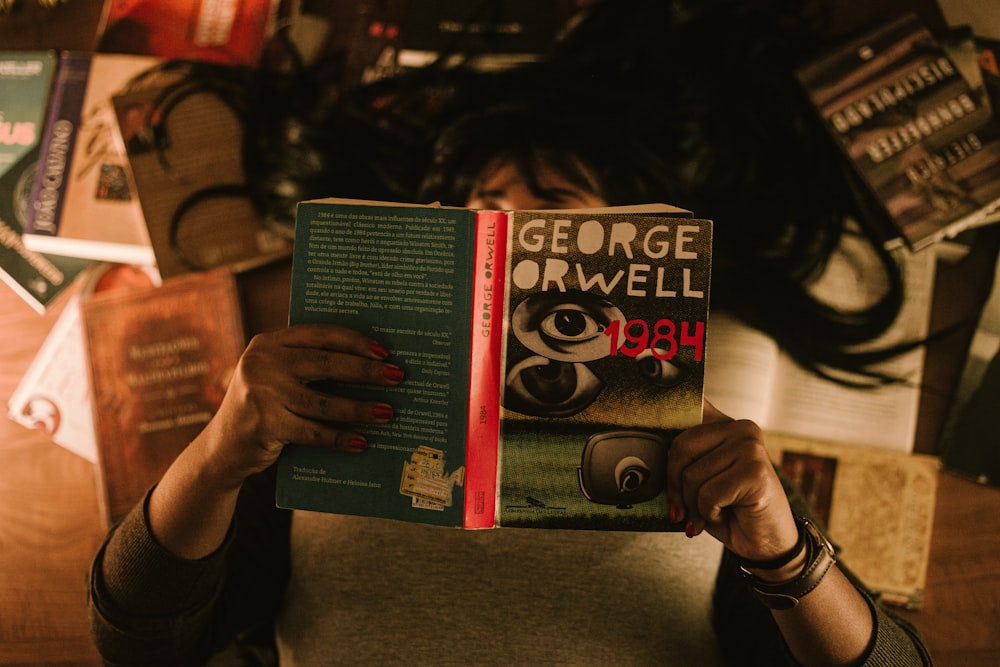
(820,557)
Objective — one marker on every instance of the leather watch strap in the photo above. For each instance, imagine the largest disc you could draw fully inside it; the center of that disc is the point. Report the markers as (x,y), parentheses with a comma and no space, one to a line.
(820,557)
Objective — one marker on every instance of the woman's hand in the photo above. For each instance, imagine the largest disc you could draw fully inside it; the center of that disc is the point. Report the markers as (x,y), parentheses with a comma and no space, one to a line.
(720,478)
(270,402)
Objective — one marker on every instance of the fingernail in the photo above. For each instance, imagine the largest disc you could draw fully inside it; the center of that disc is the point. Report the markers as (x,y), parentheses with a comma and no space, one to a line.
(690,530)
(379,351)
(675,513)
(358,443)
(382,412)
(392,373)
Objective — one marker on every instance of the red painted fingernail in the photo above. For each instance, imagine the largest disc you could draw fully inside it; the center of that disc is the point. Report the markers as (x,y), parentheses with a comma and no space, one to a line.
(382,412)
(358,443)
(675,513)
(392,373)
(690,530)
(379,351)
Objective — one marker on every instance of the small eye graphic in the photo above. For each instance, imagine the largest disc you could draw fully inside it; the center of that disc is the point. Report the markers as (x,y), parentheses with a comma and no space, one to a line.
(546,388)
(660,371)
(567,326)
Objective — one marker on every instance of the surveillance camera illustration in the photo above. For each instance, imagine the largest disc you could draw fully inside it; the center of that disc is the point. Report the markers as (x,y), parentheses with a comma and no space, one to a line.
(623,468)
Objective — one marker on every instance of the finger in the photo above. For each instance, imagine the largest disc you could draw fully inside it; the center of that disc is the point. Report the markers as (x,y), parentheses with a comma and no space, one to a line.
(333,337)
(316,404)
(692,445)
(312,365)
(315,433)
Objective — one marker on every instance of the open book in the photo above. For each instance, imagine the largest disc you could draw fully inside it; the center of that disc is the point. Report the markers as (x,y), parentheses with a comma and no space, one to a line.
(548,357)
(749,376)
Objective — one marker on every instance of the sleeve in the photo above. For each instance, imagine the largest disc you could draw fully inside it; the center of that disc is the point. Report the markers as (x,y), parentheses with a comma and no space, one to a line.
(749,635)
(150,607)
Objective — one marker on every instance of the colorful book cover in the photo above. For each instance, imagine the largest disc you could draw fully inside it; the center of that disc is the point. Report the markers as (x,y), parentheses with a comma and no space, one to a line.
(227,32)
(160,360)
(923,139)
(84,203)
(605,347)
(538,347)
(25,85)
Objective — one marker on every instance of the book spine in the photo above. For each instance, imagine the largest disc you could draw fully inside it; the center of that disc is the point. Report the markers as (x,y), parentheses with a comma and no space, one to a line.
(58,143)
(485,381)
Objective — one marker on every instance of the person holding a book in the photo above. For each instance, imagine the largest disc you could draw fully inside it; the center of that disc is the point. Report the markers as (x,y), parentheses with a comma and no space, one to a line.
(206,567)
(206,557)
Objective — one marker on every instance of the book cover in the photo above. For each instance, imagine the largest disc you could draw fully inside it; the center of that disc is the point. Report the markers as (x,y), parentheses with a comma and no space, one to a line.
(184,149)
(538,347)
(878,507)
(54,393)
(160,360)
(25,86)
(228,32)
(84,203)
(923,139)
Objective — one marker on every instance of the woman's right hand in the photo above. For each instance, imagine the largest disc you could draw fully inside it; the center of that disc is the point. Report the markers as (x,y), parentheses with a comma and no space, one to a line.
(269,402)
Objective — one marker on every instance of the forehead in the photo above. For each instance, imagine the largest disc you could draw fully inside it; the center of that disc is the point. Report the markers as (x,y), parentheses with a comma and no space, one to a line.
(541,178)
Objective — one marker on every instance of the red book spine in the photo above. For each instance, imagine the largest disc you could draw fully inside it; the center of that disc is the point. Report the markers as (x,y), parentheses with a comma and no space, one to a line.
(483,434)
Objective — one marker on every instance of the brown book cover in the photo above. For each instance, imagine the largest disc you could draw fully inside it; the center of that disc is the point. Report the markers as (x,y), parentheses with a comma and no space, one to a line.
(878,506)
(160,360)
(184,146)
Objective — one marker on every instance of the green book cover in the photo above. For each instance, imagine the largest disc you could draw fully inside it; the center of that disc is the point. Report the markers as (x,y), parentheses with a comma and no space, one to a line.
(25,86)
(546,353)
(403,275)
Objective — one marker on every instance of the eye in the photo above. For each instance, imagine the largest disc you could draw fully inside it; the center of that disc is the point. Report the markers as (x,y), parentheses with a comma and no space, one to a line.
(571,323)
(567,326)
(660,372)
(543,387)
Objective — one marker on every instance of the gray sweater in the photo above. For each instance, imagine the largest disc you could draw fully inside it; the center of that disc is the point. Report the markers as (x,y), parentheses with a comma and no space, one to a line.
(347,590)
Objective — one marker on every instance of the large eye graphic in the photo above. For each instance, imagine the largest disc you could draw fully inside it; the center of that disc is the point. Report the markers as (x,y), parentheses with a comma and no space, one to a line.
(542,387)
(567,326)
(660,372)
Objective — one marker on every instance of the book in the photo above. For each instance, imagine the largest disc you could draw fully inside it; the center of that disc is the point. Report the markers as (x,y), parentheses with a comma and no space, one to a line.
(549,355)
(159,360)
(924,140)
(970,439)
(218,31)
(749,376)
(25,85)
(877,505)
(184,149)
(84,203)
(53,395)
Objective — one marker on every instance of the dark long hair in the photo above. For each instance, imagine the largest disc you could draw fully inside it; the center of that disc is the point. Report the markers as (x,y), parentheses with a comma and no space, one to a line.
(689,103)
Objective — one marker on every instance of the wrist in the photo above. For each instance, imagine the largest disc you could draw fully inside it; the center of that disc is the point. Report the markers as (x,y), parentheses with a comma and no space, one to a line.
(776,589)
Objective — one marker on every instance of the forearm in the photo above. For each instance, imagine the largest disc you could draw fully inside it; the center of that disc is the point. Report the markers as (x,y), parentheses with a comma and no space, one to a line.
(831,625)
(148,606)
(192,508)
